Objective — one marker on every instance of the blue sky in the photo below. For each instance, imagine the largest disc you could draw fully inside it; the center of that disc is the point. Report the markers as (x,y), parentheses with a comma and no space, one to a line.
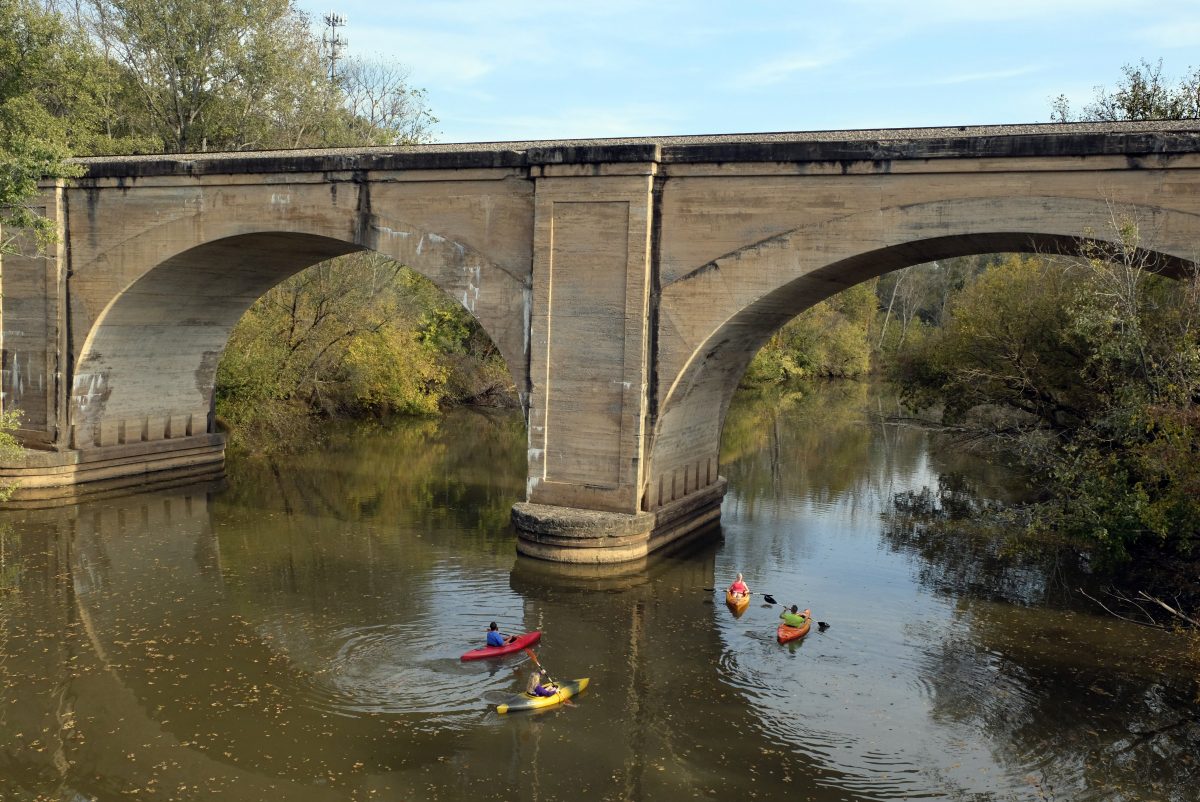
(536,69)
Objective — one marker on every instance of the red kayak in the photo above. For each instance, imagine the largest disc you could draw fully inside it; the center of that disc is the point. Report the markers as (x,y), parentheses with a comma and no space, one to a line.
(785,633)
(519,643)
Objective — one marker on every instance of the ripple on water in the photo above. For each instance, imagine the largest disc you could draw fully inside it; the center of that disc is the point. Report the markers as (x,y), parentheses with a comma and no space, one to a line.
(412,666)
(824,696)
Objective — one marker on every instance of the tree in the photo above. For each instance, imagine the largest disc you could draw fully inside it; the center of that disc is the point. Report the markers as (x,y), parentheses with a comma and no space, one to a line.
(1144,94)
(917,296)
(828,340)
(33,143)
(383,105)
(1005,343)
(205,75)
(357,336)
(1089,371)
(211,74)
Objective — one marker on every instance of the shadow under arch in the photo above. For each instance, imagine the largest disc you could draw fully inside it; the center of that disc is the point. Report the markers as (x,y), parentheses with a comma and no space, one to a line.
(734,304)
(146,368)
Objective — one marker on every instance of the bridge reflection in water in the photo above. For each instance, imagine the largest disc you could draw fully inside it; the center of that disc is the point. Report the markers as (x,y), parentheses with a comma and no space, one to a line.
(297,635)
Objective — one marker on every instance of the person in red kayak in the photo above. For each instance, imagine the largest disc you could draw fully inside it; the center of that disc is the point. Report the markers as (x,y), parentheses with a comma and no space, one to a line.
(739,588)
(794,618)
(495,638)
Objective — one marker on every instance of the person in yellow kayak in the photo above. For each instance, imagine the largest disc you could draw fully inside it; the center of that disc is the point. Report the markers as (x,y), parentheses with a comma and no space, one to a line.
(793,618)
(540,684)
(495,638)
(739,587)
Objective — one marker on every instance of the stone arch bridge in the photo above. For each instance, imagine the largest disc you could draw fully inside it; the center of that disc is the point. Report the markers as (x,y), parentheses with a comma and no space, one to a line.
(627,283)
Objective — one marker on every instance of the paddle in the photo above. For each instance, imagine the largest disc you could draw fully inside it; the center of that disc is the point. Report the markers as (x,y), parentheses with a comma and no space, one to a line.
(767,597)
(533,657)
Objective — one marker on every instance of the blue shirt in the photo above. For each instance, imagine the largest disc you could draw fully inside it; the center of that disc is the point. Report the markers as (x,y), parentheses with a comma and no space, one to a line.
(494,638)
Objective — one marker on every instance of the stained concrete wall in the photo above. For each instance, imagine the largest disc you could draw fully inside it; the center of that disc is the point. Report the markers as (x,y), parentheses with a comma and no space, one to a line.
(590,335)
(33,323)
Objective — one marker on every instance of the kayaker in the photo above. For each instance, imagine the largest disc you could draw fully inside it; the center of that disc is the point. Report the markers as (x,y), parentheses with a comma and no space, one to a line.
(495,638)
(792,617)
(540,684)
(739,588)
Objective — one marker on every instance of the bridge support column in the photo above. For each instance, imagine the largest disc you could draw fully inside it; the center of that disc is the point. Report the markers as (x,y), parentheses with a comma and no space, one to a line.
(589,369)
(574,535)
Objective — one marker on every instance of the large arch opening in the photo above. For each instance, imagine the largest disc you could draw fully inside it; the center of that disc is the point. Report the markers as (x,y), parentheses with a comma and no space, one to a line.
(763,286)
(146,369)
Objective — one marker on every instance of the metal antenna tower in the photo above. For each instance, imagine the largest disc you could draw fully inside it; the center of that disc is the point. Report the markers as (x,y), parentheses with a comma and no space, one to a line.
(332,41)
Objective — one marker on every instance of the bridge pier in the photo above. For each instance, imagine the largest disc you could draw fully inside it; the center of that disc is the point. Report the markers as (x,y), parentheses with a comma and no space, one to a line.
(590,371)
(588,363)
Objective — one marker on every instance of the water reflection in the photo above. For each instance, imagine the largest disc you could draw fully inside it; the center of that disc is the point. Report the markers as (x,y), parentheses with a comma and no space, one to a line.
(297,636)
(1123,699)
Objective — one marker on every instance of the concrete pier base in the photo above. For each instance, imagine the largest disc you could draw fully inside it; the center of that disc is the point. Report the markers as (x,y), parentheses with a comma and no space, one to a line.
(568,535)
(50,478)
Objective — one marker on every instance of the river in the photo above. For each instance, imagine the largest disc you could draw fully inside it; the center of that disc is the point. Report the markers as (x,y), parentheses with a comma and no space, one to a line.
(294,633)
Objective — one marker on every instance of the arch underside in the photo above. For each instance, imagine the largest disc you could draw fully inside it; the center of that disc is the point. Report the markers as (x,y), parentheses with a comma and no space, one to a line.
(147,368)
(715,319)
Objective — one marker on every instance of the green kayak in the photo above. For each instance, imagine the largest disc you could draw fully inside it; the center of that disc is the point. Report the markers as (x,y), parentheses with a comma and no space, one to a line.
(524,701)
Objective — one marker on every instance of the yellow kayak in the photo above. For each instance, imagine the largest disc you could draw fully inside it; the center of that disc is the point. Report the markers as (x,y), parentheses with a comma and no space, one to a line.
(737,604)
(524,701)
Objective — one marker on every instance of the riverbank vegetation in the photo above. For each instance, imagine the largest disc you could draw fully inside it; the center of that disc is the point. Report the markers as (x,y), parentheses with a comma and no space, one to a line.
(1087,372)
(829,340)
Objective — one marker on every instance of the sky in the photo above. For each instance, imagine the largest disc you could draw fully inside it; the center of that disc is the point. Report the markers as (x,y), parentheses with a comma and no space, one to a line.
(546,69)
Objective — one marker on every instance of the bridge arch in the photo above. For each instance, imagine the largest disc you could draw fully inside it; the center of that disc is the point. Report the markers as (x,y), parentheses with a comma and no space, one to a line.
(145,363)
(714,319)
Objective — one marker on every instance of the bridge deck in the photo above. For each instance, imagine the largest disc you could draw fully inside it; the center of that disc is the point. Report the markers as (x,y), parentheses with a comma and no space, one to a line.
(969,141)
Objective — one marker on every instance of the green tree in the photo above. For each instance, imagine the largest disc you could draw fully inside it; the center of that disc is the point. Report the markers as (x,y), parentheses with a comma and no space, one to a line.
(1089,372)
(215,75)
(1143,94)
(917,296)
(1006,343)
(325,342)
(828,340)
(209,75)
(361,335)
(33,142)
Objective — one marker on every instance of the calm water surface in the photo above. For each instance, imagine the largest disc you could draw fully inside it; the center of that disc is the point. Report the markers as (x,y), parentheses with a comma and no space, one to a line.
(295,635)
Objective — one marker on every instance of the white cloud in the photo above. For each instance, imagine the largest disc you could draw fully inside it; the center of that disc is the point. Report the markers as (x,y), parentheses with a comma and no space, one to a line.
(981,77)
(940,11)
(782,69)
(1183,33)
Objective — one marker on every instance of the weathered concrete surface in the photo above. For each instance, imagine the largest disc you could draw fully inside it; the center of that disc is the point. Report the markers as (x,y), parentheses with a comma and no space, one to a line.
(627,282)
(583,536)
